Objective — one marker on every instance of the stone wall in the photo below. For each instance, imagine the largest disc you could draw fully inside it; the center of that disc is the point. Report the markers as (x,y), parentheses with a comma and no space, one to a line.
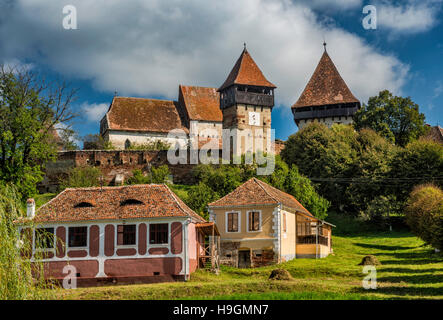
(111,163)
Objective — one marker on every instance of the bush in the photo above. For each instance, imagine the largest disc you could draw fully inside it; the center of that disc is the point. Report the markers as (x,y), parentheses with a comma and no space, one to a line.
(82,177)
(424,214)
(157,175)
(381,209)
(149,145)
(198,198)
(16,280)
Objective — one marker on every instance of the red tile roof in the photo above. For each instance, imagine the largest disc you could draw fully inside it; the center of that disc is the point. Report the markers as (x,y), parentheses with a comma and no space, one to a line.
(246,72)
(201,103)
(326,86)
(157,201)
(257,192)
(139,114)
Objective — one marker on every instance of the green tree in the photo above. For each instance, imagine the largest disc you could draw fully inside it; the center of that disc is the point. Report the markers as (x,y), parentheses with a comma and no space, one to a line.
(424,214)
(82,177)
(29,111)
(68,139)
(198,198)
(396,118)
(160,174)
(420,162)
(302,189)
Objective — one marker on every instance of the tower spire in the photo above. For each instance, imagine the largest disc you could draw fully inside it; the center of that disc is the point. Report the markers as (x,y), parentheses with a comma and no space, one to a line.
(324,44)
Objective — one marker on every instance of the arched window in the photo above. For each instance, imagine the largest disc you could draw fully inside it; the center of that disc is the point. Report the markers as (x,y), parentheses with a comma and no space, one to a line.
(84,204)
(130,202)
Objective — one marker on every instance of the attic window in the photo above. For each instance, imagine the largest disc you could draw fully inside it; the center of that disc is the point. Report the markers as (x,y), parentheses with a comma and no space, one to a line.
(84,205)
(130,202)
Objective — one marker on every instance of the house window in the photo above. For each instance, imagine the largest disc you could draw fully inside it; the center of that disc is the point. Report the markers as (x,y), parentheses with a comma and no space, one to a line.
(158,233)
(44,238)
(126,235)
(253,221)
(232,221)
(284,222)
(78,236)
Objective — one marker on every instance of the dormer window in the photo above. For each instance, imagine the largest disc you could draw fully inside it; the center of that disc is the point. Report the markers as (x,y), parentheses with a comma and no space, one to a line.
(84,204)
(131,202)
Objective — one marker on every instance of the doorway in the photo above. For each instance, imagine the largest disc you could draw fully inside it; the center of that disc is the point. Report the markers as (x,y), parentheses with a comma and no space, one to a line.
(244,259)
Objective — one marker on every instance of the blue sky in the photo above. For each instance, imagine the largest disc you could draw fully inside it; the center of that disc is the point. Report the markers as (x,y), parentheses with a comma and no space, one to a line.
(146,48)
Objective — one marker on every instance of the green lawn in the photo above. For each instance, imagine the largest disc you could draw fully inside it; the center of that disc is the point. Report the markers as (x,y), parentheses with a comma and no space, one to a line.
(408,271)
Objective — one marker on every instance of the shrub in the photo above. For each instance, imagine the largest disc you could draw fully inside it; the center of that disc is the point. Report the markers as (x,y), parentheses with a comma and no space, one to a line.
(16,280)
(82,177)
(424,214)
(198,198)
(380,210)
(160,174)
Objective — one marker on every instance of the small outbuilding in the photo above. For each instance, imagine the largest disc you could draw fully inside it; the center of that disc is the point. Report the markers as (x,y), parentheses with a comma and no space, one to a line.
(261,225)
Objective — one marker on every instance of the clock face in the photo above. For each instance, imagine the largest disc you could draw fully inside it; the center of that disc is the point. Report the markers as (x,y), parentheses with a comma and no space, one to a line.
(254,118)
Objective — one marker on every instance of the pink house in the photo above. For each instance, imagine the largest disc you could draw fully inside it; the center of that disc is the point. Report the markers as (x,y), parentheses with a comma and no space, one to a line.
(128,234)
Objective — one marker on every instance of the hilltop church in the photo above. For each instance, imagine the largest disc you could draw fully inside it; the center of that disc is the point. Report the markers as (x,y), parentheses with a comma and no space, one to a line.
(243,104)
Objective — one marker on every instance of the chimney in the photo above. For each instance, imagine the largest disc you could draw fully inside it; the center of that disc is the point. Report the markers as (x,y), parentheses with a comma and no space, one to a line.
(30,208)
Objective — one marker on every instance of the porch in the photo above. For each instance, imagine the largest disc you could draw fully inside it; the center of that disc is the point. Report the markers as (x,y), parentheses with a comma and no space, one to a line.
(208,256)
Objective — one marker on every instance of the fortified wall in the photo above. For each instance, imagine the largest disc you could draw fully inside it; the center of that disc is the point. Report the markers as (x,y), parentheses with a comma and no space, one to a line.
(113,164)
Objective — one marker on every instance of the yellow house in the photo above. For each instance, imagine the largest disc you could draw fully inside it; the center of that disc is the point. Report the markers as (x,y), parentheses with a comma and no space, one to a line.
(260,225)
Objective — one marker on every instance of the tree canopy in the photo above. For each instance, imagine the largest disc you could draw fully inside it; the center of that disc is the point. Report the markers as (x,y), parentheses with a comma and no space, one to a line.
(30,110)
(396,118)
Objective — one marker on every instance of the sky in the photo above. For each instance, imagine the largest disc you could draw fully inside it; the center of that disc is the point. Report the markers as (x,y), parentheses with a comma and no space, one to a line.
(146,48)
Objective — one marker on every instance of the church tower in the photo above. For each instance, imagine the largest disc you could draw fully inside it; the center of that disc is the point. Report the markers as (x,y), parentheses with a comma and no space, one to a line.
(246,101)
(326,97)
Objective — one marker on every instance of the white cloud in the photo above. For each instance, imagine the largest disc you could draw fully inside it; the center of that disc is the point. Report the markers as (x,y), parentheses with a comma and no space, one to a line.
(438,90)
(147,48)
(413,16)
(94,112)
(332,4)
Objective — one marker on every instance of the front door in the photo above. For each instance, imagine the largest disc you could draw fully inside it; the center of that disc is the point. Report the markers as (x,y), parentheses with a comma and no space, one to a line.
(244,259)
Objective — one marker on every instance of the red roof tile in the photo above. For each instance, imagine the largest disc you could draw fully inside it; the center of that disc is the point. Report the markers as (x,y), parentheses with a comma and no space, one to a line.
(157,201)
(201,103)
(138,114)
(326,86)
(246,72)
(257,192)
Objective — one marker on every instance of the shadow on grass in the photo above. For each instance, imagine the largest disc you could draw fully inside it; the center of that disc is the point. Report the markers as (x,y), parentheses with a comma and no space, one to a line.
(408,270)
(414,279)
(402,291)
(382,247)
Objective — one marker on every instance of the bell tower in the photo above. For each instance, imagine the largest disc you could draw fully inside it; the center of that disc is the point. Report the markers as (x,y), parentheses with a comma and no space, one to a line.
(246,101)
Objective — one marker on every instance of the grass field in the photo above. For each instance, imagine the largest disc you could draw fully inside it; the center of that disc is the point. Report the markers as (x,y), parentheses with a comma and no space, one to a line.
(408,271)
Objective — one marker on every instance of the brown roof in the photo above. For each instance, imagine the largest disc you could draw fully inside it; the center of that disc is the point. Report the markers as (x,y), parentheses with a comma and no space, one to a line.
(326,86)
(436,134)
(257,192)
(139,114)
(246,72)
(201,103)
(156,201)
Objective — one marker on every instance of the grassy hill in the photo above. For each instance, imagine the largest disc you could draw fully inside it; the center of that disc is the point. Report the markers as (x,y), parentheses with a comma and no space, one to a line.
(408,271)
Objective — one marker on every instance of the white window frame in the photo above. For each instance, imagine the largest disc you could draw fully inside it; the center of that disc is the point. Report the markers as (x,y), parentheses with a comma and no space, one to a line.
(77,248)
(259,221)
(34,236)
(157,245)
(125,246)
(239,221)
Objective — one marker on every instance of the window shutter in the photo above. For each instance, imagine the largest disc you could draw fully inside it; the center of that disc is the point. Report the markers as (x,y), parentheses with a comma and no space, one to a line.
(256,221)
(235,221)
(250,221)
(230,222)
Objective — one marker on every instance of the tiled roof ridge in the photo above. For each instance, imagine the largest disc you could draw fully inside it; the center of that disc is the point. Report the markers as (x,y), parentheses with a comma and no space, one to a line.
(165,100)
(179,204)
(258,181)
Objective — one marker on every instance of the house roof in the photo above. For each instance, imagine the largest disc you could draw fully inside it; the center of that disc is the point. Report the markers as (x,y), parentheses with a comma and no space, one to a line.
(436,134)
(326,86)
(139,114)
(246,72)
(108,203)
(257,192)
(201,103)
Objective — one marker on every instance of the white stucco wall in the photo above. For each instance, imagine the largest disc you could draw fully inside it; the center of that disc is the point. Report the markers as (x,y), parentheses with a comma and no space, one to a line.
(118,138)
(327,121)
